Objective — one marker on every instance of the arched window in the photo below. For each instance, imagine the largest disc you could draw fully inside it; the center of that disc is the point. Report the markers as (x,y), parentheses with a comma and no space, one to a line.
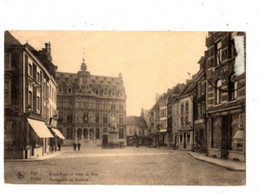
(69,90)
(218,91)
(232,87)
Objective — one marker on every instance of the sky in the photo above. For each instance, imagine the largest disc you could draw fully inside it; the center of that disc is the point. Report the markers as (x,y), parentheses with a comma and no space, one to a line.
(150,62)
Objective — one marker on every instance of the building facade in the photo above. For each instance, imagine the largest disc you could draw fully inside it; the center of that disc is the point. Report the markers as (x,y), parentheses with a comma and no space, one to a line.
(225,95)
(199,107)
(182,118)
(91,108)
(30,99)
(136,128)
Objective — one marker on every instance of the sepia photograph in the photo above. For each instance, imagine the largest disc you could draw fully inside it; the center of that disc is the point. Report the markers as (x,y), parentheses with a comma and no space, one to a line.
(105,107)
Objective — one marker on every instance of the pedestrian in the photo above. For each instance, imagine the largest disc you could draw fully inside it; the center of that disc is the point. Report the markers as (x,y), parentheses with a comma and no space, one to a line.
(75,146)
(79,146)
(59,146)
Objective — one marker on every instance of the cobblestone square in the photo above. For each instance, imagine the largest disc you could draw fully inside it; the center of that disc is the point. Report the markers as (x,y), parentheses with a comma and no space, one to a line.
(126,166)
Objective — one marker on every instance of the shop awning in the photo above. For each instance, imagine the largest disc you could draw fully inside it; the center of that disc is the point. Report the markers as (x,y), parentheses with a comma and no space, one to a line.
(40,128)
(58,133)
(163,130)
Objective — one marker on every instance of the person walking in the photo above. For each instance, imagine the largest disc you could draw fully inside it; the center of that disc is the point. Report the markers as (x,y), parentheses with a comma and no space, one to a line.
(79,146)
(75,145)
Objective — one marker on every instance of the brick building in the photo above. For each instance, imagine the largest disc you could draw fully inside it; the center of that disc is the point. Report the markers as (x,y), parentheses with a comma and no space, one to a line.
(29,99)
(199,107)
(225,94)
(91,108)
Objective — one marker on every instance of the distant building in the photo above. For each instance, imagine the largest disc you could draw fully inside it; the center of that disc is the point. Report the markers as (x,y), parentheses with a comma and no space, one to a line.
(30,99)
(160,117)
(225,94)
(182,111)
(136,128)
(92,109)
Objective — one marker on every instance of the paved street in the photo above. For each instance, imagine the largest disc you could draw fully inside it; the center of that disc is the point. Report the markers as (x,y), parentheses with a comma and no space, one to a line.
(128,166)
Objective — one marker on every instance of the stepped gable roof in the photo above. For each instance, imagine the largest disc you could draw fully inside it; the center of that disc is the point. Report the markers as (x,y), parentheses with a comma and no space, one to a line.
(10,39)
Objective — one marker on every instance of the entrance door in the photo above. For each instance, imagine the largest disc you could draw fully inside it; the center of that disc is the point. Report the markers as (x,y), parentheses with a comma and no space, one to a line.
(225,136)
(91,133)
(104,140)
(184,143)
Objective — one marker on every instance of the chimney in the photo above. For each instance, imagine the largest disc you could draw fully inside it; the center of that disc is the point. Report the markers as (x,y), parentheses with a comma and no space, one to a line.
(48,50)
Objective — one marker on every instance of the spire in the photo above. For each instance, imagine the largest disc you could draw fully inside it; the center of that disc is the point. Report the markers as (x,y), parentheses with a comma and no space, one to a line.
(83,64)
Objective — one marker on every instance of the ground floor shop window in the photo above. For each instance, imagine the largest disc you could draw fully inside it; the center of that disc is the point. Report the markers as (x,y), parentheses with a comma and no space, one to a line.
(237,132)
(216,136)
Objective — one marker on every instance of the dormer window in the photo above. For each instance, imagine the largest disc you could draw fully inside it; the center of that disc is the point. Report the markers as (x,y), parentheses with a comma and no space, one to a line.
(60,89)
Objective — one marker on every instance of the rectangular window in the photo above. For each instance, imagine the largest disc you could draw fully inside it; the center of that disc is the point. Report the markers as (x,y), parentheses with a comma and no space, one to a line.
(104,130)
(105,118)
(30,99)
(182,121)
(38,103)
(38,77)
(218,53)
(218,91)
(69,118)
(113,107)
(60,116)
(7,61)
(30,67)
(187,107)
(7,92)
(97,118)
(233,52)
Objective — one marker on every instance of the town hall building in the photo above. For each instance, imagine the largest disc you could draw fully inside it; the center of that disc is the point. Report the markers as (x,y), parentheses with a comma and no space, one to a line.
(91,108)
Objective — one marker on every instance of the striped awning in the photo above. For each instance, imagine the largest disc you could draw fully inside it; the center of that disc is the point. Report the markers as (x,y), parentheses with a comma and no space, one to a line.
(58,133)
(40,128)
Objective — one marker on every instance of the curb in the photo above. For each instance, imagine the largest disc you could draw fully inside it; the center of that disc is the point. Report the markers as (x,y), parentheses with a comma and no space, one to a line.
(217,164)
(33,159)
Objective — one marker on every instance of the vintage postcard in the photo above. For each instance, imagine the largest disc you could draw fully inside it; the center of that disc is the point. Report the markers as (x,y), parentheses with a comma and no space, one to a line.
(125,107)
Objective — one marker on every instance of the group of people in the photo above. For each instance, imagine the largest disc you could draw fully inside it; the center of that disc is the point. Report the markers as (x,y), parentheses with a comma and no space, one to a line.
(76,145)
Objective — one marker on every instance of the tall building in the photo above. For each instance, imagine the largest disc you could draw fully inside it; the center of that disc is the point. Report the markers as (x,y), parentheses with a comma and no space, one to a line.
(225,95)
(30,99)
(91,108)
